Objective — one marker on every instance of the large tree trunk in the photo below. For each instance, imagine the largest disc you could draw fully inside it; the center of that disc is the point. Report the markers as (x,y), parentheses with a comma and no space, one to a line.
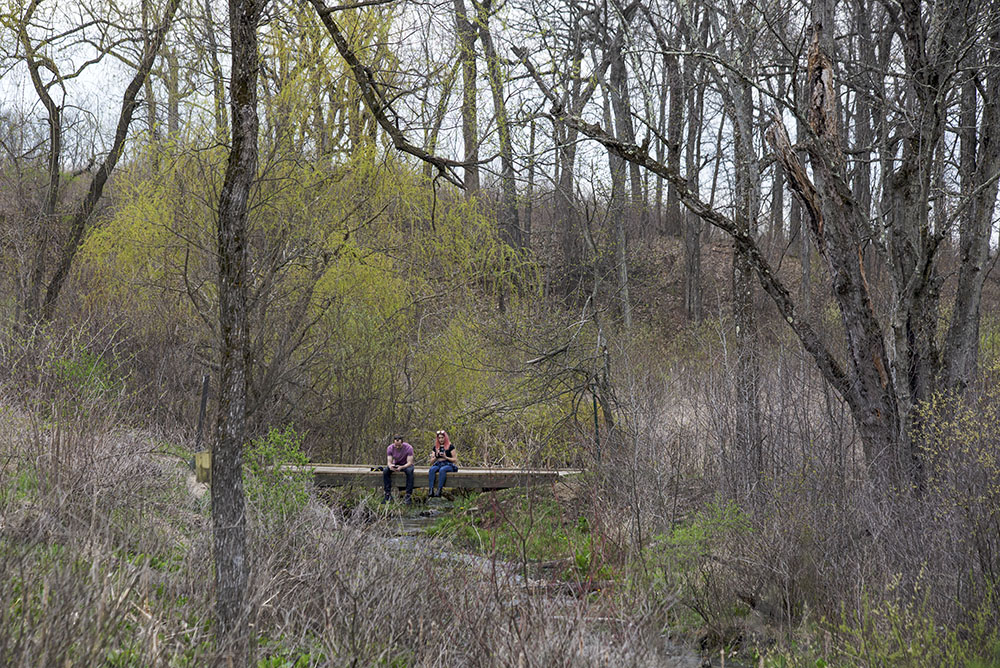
(835,222)
(746,462)
(467,55)
(693,223)
(622,211)
(931,47)
(675,122)
(32,292)
(510,228)
(228,506)
(978,173)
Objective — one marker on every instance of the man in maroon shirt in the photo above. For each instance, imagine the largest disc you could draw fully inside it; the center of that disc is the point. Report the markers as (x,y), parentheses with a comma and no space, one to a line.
(398,457)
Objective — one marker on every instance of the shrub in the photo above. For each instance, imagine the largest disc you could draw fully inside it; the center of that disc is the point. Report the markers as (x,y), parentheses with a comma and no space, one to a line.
(273,490)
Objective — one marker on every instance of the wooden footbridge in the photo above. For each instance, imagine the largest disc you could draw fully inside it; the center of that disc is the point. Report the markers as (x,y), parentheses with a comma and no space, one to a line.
(477,478)
(339,475)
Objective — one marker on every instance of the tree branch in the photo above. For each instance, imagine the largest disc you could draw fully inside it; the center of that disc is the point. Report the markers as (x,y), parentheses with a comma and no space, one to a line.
(86,208)
(825,361)
(376,102)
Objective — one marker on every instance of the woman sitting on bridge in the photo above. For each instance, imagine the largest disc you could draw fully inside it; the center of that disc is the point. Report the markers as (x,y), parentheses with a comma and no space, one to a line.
(444,460)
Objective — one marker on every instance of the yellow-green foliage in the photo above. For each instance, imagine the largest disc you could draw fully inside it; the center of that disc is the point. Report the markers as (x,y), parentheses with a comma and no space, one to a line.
(365,283)
(369,282)
(958,439)
(903,631)
(989,341)
(450,358)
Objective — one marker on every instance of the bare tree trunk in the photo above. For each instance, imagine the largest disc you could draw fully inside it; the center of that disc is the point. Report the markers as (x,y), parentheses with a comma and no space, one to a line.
(31,300)
(693,223)
(510,227)
(218,81)
(978,173)
(749,465)
(172,81)
(778,191)
(661,147)
(530,195)
(152,124)
(622,212)
(800,229)
(566,220)
(931,49)
(675,121)
(864,133)
(228,505)
(834,223)
(467,55)
(617,207)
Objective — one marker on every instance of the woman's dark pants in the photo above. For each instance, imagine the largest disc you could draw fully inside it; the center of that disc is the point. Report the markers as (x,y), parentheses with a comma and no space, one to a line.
(442,469)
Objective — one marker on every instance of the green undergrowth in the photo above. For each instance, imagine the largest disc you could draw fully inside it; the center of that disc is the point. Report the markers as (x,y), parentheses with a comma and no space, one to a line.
(902,632)
(272,490)
(519,525)
(284,652)
(697,562)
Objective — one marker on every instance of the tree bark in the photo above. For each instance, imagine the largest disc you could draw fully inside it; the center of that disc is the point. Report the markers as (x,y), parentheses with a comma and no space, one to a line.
(510,227)
(623,211)
(693,223)
(467,56)
(218,81)
(745,461)
(978,170)
(617,208)
(228,504)
(675,122)
(35,62)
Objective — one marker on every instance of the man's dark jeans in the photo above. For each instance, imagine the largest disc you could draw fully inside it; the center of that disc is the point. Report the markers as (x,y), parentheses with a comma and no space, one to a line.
(387,480)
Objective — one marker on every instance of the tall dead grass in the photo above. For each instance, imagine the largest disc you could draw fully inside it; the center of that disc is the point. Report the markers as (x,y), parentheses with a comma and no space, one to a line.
(805,538)
(105,559)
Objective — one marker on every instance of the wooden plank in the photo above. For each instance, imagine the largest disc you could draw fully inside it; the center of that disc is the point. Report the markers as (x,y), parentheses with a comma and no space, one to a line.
(203,466)
(339,475)
(327,475)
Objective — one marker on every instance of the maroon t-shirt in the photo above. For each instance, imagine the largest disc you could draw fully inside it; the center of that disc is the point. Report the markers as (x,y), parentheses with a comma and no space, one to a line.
(400,455)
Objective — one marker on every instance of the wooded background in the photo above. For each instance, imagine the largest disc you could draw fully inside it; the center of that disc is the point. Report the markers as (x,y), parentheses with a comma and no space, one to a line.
(747,244)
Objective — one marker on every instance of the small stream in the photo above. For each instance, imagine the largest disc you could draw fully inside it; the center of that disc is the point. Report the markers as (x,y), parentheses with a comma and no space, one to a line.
(408,533)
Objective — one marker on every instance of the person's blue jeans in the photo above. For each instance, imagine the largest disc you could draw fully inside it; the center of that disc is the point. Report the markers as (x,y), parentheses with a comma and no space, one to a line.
(387,480)
(441,470)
